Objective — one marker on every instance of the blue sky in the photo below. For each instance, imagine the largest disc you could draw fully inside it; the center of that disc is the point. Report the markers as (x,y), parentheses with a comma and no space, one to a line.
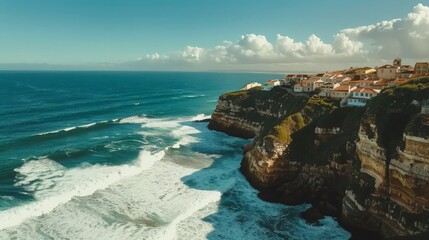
(87,33)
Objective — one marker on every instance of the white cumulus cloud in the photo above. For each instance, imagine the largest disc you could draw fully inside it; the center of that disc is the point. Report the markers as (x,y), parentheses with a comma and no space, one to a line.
(407,38)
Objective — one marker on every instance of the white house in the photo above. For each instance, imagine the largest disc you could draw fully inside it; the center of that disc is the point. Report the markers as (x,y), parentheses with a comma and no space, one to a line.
(327,88)
(311,84)
(270,84)
(294,78)
(251,85)
(360,96)
(341,91)
(327,78)
(298,88)
(307,85)
(362,83)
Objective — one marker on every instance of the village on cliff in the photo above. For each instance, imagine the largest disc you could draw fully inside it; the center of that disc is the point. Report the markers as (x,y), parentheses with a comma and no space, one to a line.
(354,86)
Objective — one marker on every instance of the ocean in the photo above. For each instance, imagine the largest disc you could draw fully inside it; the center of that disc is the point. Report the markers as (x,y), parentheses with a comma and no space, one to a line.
(120,155)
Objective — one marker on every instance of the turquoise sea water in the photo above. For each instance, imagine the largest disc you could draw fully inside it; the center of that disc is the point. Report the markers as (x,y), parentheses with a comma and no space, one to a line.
(118,155)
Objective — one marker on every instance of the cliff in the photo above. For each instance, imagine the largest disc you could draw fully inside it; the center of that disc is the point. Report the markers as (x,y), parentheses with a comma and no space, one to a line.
(391,191)
(244,113)
(368,165)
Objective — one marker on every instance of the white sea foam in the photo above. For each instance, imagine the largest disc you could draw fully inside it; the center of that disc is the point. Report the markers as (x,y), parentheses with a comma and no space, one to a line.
(148,205)
(175,126)
(72,128)
(166,199)
(184,134)
(194,96)
(54,185)
(134,119)
(7,197)
(189,96)
(200,117)
(162,122)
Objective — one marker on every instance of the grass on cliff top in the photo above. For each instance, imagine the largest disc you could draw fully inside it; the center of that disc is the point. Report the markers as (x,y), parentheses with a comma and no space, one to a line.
(315,107)
(240,93)
(394,111)
(282,133)
(401,95)
(268,108)
(308,147)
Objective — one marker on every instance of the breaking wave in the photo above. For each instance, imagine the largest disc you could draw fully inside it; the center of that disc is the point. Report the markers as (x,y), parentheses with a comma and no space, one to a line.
(54,185)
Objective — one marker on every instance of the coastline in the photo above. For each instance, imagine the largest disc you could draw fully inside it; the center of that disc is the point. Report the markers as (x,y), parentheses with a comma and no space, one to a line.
(310,150)
(314,214)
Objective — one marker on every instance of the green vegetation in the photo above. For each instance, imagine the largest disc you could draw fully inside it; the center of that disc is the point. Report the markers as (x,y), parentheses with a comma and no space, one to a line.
(393,109)
(240,93)
(256,104)
(400,96)
(416,127)
(307,147)
(340,115)
(282,132)
(315,107)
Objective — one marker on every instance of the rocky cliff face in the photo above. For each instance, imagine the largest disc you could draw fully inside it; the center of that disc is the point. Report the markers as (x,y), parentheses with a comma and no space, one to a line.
(393,148)
(307,157)
(369,165)
(245,113)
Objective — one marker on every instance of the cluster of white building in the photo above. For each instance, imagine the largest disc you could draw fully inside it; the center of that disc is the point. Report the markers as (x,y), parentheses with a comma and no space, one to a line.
(356,85)
(266,86)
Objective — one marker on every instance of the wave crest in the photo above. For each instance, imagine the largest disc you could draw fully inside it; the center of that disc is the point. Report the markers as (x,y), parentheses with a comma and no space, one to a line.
(54,185)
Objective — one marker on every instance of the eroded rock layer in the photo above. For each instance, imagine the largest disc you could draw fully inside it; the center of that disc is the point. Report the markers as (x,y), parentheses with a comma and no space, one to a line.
(368,165)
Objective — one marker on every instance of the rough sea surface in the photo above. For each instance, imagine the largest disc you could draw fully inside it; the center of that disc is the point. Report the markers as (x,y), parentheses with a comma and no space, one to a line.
(119,155)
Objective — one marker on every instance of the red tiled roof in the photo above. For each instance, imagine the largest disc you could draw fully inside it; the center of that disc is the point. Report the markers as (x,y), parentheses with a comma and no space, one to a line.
(311,80)
(272,81)
(335,72)
(365,90)
(387,66)
(382,82)
(362,81)
(342,88)
(363,68)
(414,75)
(401,80)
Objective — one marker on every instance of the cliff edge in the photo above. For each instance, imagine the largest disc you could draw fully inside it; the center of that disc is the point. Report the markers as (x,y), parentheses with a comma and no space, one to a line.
(368,165)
